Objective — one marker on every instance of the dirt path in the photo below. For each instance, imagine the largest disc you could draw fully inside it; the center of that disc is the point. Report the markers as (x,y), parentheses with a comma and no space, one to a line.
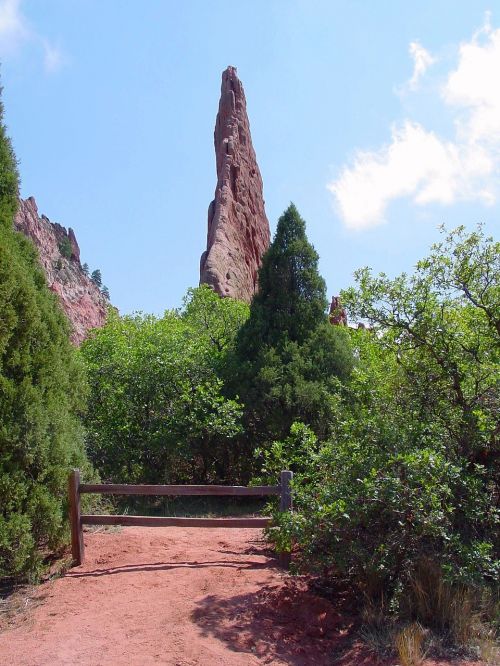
(175,596)
(179,597)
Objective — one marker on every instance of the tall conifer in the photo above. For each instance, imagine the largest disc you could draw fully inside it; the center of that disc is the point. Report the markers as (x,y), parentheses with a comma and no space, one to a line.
(289,359)
(41,389)
(291,300)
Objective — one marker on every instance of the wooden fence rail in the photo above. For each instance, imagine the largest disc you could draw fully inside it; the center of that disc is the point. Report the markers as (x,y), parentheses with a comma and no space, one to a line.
(76,489)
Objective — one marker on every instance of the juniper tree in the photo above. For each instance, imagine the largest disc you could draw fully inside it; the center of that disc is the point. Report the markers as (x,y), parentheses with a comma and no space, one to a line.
(291,300)
(289,360)
(41,389)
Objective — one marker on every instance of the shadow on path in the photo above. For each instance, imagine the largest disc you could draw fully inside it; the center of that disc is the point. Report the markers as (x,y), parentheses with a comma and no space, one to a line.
(283,623)
(165,566)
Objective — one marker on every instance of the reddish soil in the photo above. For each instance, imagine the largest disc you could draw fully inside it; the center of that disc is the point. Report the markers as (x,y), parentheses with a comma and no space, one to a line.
(180,597)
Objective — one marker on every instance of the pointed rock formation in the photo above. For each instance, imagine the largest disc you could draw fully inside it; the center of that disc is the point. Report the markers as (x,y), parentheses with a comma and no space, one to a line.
(238,230)
(59,254)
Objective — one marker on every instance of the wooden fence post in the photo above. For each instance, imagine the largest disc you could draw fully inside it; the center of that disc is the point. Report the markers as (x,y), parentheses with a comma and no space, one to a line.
(286,504)
(77,545)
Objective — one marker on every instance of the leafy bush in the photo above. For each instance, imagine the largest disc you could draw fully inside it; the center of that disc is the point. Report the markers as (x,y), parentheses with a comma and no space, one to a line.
(156,410)
(410,475)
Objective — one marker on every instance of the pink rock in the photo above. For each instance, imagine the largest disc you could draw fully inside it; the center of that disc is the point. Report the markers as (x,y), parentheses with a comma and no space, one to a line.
(337,316)
(80,298)
(238,229)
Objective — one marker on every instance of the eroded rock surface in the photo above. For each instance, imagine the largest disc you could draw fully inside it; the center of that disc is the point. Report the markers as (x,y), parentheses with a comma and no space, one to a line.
(81,299)
(238,229)
(337,315)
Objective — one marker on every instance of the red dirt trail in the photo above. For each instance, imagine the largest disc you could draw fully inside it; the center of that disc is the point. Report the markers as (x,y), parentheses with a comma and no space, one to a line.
(179,597)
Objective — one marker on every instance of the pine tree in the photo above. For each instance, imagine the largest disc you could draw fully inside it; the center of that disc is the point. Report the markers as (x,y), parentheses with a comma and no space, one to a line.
(105,292)
(85,268)
(96,277)
(41,390)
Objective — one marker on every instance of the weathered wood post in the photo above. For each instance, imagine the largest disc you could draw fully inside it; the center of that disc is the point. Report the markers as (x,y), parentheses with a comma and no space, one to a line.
(77,545)
(286,505)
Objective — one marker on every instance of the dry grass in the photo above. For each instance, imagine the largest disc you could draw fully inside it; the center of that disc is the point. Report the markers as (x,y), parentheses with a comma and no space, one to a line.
(444,621)
(409,643)
(459,613)
(489,650)
(451,610)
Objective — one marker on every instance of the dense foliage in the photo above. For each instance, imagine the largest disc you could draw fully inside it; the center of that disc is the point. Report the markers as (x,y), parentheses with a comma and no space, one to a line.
(411,474)
(41,394)
(289,362)
(156,409)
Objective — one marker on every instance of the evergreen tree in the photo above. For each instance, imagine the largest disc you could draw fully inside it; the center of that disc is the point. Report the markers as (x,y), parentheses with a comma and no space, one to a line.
(96,277)
(291,301)
(289,359)
(85,268)
(105,292)
(41,390)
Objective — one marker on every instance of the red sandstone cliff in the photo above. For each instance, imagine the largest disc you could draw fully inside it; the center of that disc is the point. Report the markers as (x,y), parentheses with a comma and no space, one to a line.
(81,299)
(238,229)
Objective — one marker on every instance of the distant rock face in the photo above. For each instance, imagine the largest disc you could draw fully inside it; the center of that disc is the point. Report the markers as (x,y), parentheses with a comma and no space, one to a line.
(238,229)
(337,315)
(81,300)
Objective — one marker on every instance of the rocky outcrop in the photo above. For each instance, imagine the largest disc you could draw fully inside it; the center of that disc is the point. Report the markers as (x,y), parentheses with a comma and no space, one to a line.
(337,315)
(81,299)
(238,229)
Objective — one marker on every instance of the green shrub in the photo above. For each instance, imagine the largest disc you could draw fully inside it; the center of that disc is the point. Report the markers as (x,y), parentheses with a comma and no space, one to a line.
(157,411)
(410,474)
(41,394)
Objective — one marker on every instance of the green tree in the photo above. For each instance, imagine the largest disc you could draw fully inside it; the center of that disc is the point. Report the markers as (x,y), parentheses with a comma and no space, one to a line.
(291,300)
(216,320)
(410,475)
(96,277)
(41,395)
(289,360)
(443,323)
(156,410)
(105,292)
(85,268)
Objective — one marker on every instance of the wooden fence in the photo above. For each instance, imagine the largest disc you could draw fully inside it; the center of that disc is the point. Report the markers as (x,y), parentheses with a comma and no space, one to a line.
(76,489)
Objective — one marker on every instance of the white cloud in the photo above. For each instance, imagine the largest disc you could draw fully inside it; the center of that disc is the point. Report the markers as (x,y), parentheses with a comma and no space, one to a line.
(422,60)
(13,28)
(15,31)
(421,165)
(475,86)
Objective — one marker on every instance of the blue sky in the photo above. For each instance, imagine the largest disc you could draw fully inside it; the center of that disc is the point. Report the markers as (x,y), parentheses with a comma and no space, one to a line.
(379,120)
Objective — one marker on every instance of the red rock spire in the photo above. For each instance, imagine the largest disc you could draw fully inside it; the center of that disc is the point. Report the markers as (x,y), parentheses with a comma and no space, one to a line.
(238,230)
